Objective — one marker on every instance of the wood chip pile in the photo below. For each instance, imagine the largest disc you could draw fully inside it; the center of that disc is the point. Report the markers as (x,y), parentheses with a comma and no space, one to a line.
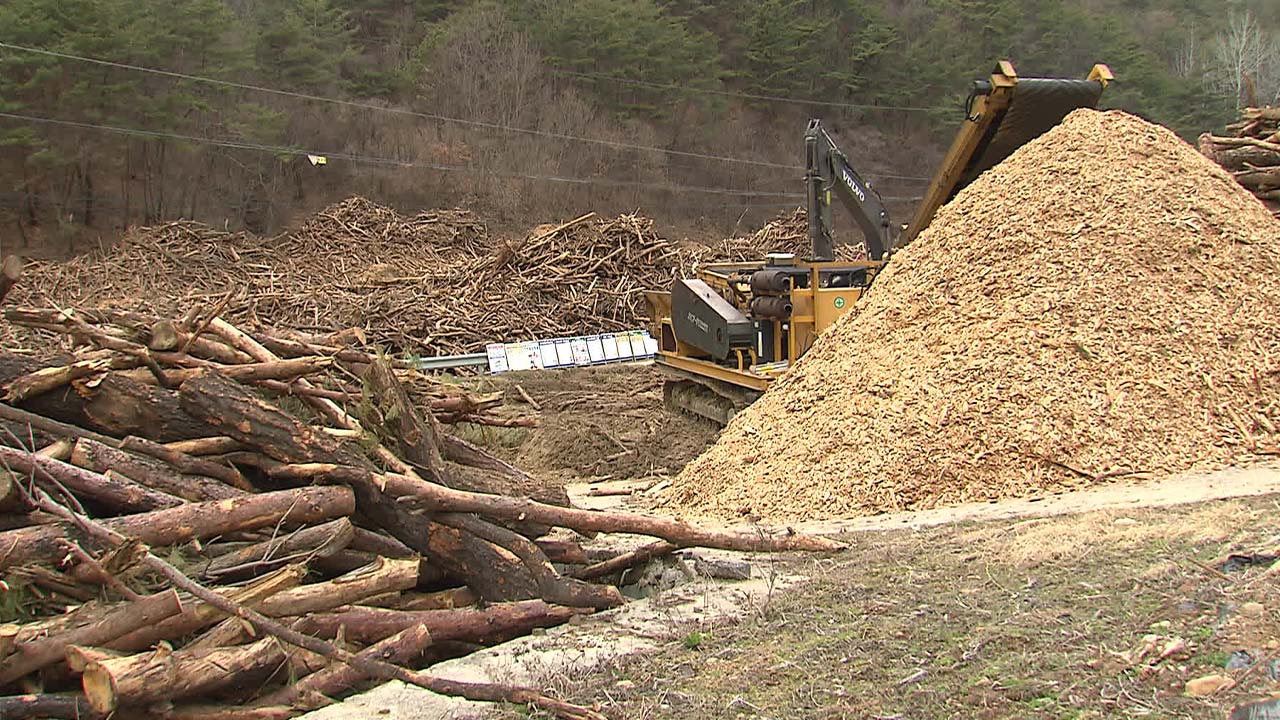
(174,544)
(436,283)
(1102,304)
(1251,152)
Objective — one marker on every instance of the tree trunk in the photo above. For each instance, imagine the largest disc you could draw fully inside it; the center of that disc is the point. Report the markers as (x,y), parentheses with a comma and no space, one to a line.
(190,521)
(164,674)
(97,457)
(112,490)
(201,615)
(381,577)
(46,707)
(310,692)
(317,541)
(115,406)
(123,619)
(233,410)
(493,624)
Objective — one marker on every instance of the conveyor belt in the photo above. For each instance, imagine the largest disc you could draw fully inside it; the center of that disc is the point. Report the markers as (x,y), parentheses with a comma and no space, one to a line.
(1038,105)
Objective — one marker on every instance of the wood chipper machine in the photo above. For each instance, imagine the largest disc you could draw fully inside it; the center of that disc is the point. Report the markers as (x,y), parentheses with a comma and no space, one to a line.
(727,333)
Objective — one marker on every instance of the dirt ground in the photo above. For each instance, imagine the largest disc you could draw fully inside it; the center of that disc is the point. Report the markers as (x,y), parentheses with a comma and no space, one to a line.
(594,424)
(1107,614)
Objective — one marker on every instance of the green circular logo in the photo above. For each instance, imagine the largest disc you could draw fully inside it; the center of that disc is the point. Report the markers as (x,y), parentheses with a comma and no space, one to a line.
(839,303)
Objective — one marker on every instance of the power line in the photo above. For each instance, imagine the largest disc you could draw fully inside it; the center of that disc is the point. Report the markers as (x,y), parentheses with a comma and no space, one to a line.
(748,96)
(616,144)
(280,150)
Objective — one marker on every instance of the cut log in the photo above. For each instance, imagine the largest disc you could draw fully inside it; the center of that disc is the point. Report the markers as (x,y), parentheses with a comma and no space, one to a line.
(231,409)
(437,498)
(416,436)
(123,619)
(413,433)
(1246,156)
(298,546)
(112,490)
(217,445)
(8,639)
(382,576)
(186,463)
(494,624)
(565,552)
(440,600)
(626,560)
(115,405)
(189,521)
(311,692)
(48,379)
(12,499)
(95,456)
(166,675)
(46,707)
(79,657)
(202,615)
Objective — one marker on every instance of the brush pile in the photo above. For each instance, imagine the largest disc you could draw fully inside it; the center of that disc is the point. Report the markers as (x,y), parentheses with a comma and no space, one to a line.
(436,283)
(170,537)
(1251,152)
(1101,304)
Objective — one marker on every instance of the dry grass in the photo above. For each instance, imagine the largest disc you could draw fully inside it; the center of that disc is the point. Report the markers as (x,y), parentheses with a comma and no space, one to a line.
(987,622)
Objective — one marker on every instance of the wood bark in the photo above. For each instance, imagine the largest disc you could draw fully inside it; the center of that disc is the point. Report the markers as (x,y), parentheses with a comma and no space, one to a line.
(125,618)
(165,675)
(47,379)
(95,456)
(55,706)
(487,692)
(626,560)
(382,576)
(416,436)
(189,521)
(298,546)
(115,405)
(311,691)
(113,490)
(437,498)
(496,623)
(216,445)
(79,657)
(201,615)
(231,409)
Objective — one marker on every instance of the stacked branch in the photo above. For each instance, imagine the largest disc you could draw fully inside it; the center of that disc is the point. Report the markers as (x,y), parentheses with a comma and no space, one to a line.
(175,537)
(436,283)
(1251,153)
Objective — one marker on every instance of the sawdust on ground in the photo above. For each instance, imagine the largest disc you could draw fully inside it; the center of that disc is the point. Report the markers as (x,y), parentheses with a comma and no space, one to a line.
(605,423)
(1102,304)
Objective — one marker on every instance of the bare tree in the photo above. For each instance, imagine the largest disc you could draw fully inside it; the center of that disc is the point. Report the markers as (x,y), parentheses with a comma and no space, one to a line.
(1244,51)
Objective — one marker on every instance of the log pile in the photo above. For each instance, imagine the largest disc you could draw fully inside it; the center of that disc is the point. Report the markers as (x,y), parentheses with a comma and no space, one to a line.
(1251,153)
(193,514)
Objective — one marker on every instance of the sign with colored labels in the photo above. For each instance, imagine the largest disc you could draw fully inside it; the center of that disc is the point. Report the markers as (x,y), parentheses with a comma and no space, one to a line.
(839,303)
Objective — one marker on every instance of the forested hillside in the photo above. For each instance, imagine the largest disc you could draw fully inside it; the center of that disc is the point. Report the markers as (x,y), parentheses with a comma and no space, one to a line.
(243,112)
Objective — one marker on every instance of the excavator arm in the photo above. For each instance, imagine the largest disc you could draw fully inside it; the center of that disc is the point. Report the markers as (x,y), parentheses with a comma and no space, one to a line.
(827,170)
